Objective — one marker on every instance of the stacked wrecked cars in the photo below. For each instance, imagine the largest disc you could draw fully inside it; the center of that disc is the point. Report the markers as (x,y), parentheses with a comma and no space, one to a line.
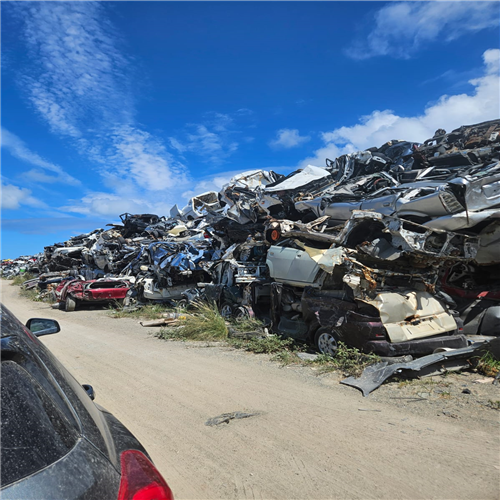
(392,250)
(370,283)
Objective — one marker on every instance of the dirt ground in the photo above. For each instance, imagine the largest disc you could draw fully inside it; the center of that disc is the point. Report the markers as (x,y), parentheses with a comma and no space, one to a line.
(312,438)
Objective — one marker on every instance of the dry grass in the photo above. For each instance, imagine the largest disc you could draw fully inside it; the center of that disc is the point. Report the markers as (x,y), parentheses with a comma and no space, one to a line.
(488,365)
(21,278)
(152,311)
(204,323)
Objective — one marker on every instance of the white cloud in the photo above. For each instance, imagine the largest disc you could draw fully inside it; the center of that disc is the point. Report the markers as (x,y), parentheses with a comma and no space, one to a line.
(82,85)
(288,138)
(449,112)
(18,149)
(402,28)
(14,197)
(144,159)
(51,225)
(213,139)
(111,205)
(213,183)
(35,175)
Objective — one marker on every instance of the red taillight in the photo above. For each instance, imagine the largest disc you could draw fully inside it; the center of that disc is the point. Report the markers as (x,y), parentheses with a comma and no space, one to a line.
(140,479)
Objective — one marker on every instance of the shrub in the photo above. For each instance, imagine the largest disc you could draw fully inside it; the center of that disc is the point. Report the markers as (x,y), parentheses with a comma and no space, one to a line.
(488,365)
(150,311)
(32,294)
(349,360)
(21,278)
(205,323)
(267,345)
(169,334)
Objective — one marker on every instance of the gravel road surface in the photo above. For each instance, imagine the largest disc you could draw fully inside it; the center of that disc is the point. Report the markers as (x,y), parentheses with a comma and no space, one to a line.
(312,439)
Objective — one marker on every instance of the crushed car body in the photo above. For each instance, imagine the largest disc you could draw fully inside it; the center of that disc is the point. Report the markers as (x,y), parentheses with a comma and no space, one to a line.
(393,249)
(373,287)
(76,292)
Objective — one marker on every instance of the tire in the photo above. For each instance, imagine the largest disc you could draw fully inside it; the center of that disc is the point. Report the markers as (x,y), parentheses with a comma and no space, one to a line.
(226,310)
(241,313)
(182,304)
(70,304)
(326,342)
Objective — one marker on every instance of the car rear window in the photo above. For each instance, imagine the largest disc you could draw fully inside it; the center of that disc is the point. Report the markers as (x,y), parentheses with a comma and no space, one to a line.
(35,432)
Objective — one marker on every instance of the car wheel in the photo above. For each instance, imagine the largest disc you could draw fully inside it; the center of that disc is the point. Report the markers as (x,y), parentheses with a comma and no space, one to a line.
(182,304)
(70,304)
(241,313)
(226,310)
(326,341)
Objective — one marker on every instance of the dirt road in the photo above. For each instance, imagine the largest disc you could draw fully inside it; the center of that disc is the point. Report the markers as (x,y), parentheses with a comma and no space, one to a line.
(313,439)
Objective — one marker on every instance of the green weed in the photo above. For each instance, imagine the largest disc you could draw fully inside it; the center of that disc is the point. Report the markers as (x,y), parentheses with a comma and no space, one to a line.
(488,365)
(170,334)
(32,294)
(286,358)
(403,382)
(349,360)
(494,404)
(322,359)
(267,345)
(21,278)
(148,312)
(205,323)
(247,325)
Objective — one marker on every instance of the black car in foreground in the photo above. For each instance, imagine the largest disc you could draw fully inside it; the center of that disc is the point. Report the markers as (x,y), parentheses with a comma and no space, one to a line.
(56,442)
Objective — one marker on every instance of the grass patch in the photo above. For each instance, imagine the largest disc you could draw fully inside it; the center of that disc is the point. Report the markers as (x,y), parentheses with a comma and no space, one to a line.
(286,358)
(32,294)
(205,323)
(403,382)
(248,325)
(429,384)
(284,350)
(445,395)
(148,312)
(21,278)
(170,334)
(488,365)
(349,360)
(272,344)
(494,404)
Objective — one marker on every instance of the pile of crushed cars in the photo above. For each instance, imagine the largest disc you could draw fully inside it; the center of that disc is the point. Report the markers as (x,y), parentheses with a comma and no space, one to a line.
(15,267)
(393,250)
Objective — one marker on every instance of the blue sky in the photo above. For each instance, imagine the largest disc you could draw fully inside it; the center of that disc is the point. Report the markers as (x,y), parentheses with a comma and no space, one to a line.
(113,107)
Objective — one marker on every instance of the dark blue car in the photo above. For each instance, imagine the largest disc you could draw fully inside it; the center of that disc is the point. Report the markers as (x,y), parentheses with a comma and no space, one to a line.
(56,442)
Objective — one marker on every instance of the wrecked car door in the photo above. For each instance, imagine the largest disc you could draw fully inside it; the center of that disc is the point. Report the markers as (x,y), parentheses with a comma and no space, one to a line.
(291,266)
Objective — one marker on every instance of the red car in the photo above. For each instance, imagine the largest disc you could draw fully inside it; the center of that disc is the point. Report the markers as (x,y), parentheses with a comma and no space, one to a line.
(103,291)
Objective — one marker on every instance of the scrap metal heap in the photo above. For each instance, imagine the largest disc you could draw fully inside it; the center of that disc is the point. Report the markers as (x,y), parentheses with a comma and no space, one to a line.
(393,249)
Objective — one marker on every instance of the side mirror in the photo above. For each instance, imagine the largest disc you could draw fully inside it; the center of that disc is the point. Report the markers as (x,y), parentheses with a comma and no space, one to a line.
(89,390)
(42,326)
